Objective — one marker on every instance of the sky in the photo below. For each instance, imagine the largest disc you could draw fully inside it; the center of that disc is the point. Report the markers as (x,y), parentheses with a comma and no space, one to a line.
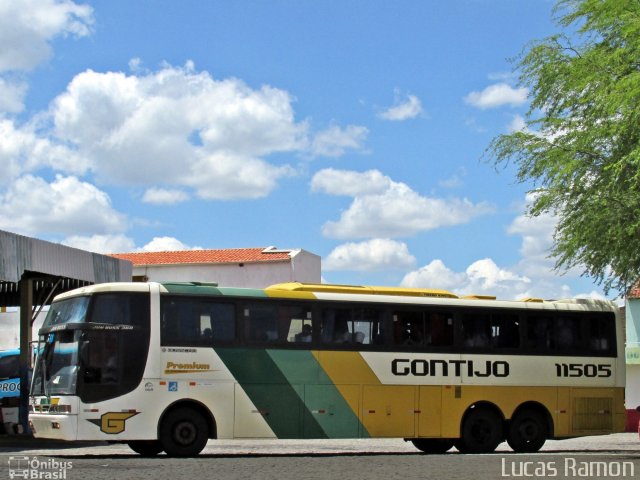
(355,130)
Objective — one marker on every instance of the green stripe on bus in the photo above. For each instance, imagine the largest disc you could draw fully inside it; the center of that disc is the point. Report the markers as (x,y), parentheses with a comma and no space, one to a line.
(279,401)
(187,288)
(321,398)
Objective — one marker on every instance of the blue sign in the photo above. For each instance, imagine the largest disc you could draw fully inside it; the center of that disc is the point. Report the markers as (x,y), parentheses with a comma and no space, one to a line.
(173,386)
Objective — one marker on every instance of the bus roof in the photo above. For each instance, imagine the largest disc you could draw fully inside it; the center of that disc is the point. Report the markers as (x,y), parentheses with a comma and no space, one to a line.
(310,291)
(359,289)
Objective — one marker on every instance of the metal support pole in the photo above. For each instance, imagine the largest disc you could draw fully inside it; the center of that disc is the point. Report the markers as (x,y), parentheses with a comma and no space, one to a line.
(26,305)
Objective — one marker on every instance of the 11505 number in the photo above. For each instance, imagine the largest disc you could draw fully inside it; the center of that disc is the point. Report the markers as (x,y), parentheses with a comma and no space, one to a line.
(590,370)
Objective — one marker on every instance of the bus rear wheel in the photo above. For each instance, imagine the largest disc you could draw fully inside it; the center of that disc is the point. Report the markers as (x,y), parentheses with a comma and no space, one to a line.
(432,445)
(184,432)
(146,448)
(481,432)
(527,432)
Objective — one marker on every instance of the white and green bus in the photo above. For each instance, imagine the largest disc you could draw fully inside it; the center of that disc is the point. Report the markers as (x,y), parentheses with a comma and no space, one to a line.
(168,366)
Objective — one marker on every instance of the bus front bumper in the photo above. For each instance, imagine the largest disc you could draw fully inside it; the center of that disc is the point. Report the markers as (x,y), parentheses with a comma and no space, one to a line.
(54,426)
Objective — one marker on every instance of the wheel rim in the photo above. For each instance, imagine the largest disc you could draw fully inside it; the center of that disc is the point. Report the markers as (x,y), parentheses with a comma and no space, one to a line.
(185,433)
(529,431)
(482,431)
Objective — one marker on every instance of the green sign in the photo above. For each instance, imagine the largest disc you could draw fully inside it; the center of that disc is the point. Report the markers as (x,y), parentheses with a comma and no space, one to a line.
(633,355)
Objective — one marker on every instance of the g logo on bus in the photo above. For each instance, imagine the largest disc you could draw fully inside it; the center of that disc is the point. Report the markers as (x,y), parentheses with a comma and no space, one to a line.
(113,422)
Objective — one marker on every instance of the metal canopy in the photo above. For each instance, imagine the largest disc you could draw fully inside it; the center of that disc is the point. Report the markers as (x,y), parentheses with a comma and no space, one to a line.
(23,257)
(32,271)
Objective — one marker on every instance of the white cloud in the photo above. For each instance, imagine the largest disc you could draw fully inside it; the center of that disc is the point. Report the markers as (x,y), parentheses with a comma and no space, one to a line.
(398,211)
(517,124)
(224,176)
(455,181)
(497,95)
(23,150)
(180,126)
(485,276)
(66,206)
(166,244)
(434,275)
(12,93)
(532,275)
(28,26)
(101,243)
(349,183)
(482,277)
(336,141)
(122,244)
(376,254)
(162,196)
(403,110)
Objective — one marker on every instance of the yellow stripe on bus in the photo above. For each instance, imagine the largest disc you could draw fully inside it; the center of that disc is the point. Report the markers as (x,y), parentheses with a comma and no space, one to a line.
(348,370)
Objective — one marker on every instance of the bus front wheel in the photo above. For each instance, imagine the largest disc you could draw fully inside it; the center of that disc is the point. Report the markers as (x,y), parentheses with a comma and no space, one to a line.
(432,445)
(481,431)
(146,448)
(527,432)
(184,432)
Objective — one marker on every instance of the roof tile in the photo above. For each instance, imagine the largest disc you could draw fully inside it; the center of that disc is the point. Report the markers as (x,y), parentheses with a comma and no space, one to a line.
(233,255)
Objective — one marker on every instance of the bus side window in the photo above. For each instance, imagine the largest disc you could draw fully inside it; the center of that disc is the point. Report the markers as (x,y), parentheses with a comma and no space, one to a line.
(408,328)
(336,326)
(368,326)
(218,322)
(476,329)
(297,321)
(567,334)
(505,330)
(261,323)
(600,335)
(539,332)
(179,325)
(439,329)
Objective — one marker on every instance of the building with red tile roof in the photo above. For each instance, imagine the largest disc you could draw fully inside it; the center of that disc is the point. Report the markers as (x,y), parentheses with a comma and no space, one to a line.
(234,267)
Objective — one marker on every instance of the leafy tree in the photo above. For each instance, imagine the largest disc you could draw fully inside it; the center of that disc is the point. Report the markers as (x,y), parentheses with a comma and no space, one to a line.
(581,145)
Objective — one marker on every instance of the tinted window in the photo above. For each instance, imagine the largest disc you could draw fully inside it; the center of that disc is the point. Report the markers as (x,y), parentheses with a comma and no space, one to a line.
(494,330)
(113,361)
(196,322)
(476,330)
(505,330)
(602,335)
(9,367)
(422,328)
(352,326)
(557,333)
(119,309)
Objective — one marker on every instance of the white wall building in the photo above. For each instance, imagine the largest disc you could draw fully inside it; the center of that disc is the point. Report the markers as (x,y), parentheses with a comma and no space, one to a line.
(239,267)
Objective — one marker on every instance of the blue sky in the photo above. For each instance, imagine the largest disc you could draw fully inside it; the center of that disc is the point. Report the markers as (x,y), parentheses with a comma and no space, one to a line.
(352,129)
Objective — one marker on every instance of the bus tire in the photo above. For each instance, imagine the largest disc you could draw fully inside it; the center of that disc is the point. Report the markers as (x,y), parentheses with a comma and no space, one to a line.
(527,431)
(432,446)
(481,431)
(146,448)
(183,432)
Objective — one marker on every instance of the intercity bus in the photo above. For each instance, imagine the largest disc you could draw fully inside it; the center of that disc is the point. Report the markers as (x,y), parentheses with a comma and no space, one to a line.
(9,374)
(168,366)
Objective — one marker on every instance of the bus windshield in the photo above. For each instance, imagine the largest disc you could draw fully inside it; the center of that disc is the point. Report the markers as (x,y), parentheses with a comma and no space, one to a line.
(71,310)
(55,370)
(93,346)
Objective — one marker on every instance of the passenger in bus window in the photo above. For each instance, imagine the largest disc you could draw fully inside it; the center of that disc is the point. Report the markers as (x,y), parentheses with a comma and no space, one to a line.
(564,334)
(305,335)
(476,331)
